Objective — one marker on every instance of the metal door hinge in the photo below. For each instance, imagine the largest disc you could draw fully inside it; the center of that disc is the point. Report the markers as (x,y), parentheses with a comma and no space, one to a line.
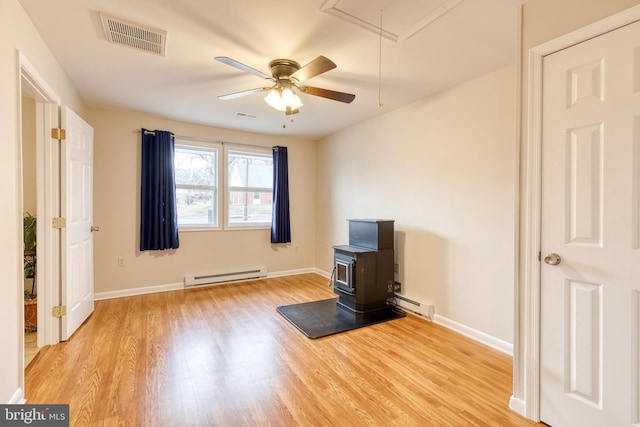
(57,133)
(58,222)
(59,311)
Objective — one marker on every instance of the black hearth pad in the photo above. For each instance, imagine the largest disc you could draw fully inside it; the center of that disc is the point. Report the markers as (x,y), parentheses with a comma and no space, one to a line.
(321,318)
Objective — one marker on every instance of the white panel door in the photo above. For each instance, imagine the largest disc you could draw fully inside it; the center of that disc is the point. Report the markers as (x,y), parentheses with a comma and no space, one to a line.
(77,207)
(590,219)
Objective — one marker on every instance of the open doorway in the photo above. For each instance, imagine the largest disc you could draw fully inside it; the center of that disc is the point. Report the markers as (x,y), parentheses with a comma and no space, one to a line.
(40,197)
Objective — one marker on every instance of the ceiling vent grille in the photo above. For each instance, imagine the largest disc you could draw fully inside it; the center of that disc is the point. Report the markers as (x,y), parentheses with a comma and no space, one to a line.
(126,33)
(241,114)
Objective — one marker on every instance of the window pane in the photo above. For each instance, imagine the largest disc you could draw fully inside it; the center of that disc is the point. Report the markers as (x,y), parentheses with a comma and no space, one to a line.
(196,207)
(250,170)
(195,167)
(249,207)
(249,183)
(261,172)
(237,170)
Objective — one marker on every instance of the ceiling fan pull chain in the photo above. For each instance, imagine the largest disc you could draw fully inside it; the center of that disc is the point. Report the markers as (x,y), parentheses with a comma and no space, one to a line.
(284,121)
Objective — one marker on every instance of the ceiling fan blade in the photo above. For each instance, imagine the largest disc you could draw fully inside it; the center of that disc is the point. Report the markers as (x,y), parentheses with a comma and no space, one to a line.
(316,67)
(242,93)
(240,66)
(330,94)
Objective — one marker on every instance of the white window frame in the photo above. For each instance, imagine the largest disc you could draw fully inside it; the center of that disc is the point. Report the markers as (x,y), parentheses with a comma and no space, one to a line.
(195,144)
(266,151)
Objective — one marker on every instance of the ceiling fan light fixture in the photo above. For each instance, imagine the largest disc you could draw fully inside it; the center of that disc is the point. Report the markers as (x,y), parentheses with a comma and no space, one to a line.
(283,99)
(287,96)
(287,76)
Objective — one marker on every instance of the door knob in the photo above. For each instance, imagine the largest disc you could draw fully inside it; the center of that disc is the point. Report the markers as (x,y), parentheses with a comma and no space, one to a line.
(553,259)
(95,228)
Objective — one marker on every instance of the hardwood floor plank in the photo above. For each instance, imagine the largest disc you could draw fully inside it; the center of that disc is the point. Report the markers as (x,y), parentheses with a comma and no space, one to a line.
(222,355)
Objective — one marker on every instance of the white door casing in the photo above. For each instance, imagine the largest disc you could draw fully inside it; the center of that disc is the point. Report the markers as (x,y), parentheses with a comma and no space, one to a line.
(590,217)
(76,154)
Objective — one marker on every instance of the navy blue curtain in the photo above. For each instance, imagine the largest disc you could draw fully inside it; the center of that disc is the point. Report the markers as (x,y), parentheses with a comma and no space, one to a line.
(158,213)
(280,221)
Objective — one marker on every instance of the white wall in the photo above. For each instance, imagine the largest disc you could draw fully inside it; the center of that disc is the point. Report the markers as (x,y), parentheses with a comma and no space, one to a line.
(17,33)
(443,169)
(29,155)
(116,209)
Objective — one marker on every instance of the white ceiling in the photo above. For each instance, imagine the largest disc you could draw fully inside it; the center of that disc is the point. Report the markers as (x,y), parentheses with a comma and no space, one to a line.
(442,43)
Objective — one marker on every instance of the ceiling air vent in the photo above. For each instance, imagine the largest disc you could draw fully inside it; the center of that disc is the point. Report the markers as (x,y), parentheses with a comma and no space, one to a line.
(241,114)
(127,33)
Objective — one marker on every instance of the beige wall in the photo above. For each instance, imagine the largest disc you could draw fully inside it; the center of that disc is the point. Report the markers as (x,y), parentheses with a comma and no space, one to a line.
(542,21)
(116,209)
(17,33)
(443,169)
(29,155)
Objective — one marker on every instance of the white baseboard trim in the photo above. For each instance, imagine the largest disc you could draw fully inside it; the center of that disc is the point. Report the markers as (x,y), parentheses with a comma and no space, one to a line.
(180,286)
(476,335)
(290,272)
(518,406)
(17,398)
(321,273)
(138,291)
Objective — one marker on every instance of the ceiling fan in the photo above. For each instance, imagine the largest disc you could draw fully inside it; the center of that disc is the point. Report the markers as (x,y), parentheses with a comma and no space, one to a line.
(287,76)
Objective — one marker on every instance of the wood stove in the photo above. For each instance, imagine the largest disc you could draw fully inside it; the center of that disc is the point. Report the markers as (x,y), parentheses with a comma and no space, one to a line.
(363,269)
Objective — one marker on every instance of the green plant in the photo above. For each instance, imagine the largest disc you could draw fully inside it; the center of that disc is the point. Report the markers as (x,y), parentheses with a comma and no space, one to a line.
(29,267)
(29,237)
(30,232)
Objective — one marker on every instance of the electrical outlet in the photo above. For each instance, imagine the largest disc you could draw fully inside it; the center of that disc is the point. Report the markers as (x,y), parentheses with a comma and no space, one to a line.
(120,262)
(396,268)
(397,287)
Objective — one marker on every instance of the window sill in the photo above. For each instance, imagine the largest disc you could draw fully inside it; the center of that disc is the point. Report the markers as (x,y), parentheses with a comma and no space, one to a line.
(184,229)
(246,227)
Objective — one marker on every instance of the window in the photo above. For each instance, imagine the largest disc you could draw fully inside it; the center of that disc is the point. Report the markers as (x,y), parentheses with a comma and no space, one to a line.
(196,174)
(249,188)
(200,188)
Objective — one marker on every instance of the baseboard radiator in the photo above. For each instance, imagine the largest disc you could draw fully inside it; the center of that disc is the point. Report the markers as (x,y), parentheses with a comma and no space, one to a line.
(427,311)
(218,277)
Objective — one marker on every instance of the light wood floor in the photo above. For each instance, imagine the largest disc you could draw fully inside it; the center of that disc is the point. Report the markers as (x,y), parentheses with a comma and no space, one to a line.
(30,347)
(223,356)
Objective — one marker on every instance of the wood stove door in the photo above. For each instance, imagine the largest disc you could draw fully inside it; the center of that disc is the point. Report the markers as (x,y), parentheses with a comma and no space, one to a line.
(345,278)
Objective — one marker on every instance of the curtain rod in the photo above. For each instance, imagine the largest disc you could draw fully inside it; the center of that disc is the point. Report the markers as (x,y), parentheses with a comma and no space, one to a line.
(214,141)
